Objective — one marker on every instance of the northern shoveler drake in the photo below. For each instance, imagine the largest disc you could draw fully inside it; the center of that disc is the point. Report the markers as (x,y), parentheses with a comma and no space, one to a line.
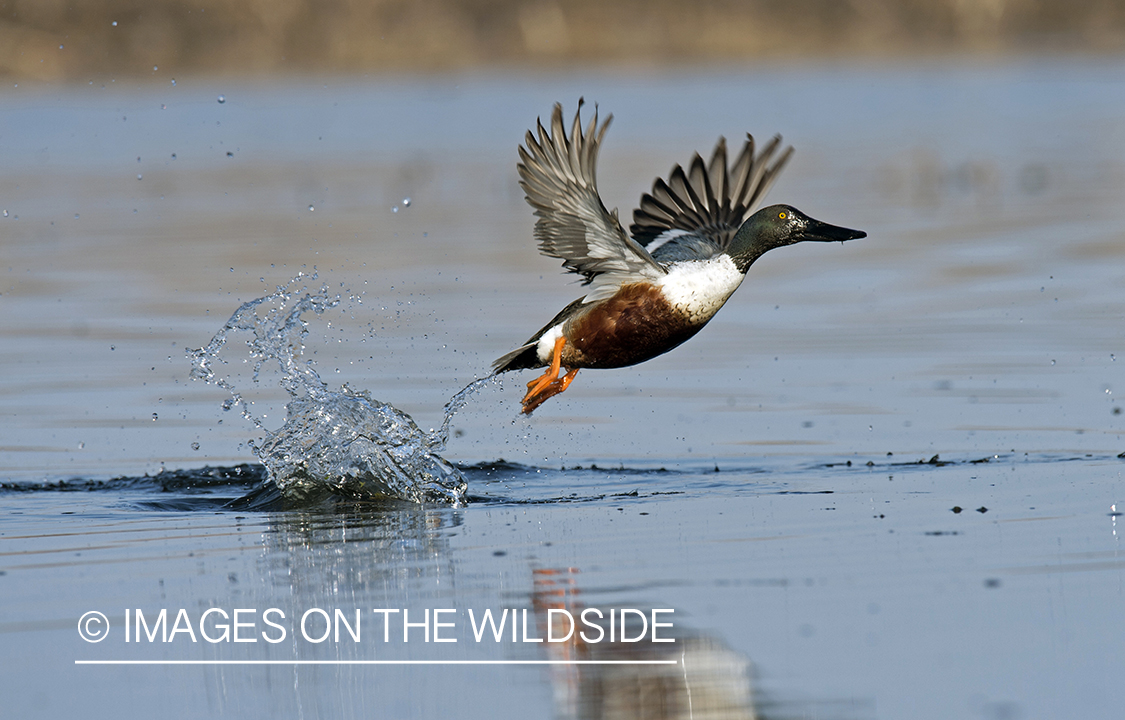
(693,239)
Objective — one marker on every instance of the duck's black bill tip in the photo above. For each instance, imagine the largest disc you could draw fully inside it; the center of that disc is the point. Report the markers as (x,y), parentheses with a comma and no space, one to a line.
(823,232)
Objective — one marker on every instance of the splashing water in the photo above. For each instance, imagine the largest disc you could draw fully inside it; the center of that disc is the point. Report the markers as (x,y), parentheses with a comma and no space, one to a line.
(338,441)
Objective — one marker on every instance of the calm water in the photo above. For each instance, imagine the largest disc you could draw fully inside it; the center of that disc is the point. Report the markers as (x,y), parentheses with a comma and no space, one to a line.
(762,481)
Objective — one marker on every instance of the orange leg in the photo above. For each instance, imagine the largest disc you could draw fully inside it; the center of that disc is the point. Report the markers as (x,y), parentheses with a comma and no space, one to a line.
(552,389)
(552,373)
(549,383)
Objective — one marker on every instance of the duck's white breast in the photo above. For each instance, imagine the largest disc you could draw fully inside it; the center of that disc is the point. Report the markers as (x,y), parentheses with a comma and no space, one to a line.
(698,288)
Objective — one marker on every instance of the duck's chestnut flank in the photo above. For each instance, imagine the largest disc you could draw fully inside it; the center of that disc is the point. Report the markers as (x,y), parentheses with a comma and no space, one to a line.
(636,324)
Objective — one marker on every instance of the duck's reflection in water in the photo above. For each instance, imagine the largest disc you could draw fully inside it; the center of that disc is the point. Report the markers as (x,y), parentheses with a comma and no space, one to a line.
(708,680)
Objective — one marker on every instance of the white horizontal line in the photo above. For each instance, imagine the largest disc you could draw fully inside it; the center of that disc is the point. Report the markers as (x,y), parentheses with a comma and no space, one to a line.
(376,662)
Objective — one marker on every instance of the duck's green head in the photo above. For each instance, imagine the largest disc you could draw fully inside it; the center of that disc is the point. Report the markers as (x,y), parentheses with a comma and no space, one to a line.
(777,226)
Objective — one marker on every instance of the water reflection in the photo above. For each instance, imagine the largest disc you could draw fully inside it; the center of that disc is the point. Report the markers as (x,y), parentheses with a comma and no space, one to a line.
(412,558)
(356,551)
(709,680)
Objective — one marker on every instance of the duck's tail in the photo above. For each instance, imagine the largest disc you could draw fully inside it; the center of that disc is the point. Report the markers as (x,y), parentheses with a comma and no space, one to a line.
(522,358)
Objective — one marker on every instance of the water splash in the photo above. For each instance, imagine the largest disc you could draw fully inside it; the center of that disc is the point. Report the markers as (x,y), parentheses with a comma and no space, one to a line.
(340,441)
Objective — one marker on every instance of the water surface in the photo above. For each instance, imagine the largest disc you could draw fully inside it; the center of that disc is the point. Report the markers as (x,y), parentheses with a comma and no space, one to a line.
(773,481)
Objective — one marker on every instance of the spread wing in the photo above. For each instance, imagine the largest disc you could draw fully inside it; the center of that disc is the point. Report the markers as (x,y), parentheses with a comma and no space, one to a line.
(558,174)
(696,213)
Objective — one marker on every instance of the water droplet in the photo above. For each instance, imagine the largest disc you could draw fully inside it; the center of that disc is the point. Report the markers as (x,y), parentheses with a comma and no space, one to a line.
(1052,362)
(173,81)
(81,446)
(163,106)
(406,202)
(228,404)
(114,23)
(155,417)
(222,99)
(311,208)
(138,158)
(394,209)
(154,68)
(230,154)
(195,446)
(173,156)
(60,47)
(112,347)
(139,176)
(75,216)
(5,213)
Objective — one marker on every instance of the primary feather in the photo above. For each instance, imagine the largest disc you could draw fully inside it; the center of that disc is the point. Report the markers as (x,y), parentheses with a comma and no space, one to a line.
(695,214)
(558,174)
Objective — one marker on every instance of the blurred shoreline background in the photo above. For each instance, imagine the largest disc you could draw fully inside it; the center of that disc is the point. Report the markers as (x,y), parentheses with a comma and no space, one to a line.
(59,40)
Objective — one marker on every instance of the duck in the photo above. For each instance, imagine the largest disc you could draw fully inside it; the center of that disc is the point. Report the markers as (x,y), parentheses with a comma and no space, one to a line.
(692,240)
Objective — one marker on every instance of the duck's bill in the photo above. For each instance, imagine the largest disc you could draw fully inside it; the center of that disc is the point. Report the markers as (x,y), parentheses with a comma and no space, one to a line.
(823,232)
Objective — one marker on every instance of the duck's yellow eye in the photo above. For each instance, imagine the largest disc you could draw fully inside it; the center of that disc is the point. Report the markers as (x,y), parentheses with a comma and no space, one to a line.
(781,215)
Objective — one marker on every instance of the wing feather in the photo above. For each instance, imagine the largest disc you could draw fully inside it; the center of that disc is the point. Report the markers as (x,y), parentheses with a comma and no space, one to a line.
(709,202)
(559,177)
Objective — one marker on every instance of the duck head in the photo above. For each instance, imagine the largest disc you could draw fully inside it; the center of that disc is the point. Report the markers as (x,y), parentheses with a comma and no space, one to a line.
(780,225)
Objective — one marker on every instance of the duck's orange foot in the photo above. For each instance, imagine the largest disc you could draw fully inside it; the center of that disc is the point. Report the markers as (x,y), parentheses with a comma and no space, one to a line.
(549,384)
(534,399)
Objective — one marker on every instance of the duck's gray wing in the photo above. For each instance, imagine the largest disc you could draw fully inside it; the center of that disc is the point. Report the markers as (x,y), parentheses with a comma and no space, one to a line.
(696,213)
(558,174)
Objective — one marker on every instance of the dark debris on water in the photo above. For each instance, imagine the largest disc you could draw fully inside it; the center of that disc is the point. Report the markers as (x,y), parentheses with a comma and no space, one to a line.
(937,461)
(244,475)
